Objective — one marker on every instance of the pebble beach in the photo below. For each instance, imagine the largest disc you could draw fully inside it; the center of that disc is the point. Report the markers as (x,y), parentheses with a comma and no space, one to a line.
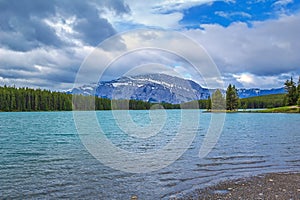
(269,186)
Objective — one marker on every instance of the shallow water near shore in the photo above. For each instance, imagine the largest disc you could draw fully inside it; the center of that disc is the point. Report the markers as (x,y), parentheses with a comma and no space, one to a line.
(43,157)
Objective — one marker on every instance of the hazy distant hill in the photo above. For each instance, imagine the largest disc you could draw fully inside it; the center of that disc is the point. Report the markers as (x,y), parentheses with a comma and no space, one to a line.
(244,93)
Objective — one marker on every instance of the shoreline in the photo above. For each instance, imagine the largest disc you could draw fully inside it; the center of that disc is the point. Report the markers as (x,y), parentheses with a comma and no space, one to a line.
(281,185)
(287,109)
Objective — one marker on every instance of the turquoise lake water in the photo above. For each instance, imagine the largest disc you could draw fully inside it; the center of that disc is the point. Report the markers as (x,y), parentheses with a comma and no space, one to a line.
(42,156)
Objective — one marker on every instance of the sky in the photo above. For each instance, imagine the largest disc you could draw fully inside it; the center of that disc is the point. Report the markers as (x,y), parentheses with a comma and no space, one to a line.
(43,44)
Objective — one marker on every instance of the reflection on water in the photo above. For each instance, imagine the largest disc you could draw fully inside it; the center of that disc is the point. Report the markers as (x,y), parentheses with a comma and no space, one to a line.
(42,156)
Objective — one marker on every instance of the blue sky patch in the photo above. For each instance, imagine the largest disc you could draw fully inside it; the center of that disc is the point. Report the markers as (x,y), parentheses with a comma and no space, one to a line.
(225,13)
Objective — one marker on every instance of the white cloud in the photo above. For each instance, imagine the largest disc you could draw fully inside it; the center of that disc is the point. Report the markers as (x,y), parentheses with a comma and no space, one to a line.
(283,2)
(265,51)
(268,48)
(142,15)
(248,80)
(159,13)
(63,27)
(280,7)
(178,5)
(232,14)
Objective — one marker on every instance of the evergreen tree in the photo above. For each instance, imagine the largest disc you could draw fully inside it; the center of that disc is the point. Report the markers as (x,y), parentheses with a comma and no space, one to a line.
(298,87)
(208,106)
(203,103)
(218,101)
(12,101)
(292,94)
(232,99)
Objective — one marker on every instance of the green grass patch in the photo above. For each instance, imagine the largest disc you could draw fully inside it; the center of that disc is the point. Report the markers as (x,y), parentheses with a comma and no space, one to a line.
(285,109)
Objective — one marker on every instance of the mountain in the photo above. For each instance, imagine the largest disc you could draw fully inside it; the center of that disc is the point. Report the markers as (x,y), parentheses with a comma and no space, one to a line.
(151,88)
(158,88)
(245,93)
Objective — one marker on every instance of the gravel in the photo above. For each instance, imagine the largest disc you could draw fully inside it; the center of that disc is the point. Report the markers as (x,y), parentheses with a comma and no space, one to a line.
(271,186)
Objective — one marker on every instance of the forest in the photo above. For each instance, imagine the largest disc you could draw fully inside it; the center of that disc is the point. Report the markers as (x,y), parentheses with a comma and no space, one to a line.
(267,101)
(27,99)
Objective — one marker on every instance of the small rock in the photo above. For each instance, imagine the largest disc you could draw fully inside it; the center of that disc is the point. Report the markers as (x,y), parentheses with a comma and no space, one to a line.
(271,180)
(298,190)
(229,189)
(284,190)
(261,194)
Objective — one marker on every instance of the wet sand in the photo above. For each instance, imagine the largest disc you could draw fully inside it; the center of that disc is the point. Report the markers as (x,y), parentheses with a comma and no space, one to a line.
(279,186)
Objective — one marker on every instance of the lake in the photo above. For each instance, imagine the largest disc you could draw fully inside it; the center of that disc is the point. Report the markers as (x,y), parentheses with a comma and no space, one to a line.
(42,155)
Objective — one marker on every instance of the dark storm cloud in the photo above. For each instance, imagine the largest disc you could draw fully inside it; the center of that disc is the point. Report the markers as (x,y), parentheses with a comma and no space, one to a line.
(52,76)
(26,35)
(93,30)
(36,48)
(23,26)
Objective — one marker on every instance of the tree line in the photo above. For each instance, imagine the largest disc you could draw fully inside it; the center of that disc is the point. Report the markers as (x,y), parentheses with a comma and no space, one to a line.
(232,102)
(28,99)
(266,101)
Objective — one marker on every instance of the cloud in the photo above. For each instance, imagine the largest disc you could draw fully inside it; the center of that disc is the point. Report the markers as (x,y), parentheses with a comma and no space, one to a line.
(143,15)
(281,6)
(93,30)
(267,48)
(175,5)
(232,14)
(157,52)
(21,26)
(283,2)
(249,80)
(43,43)
(264,54)
(166,14)
(54,66)
(25,24)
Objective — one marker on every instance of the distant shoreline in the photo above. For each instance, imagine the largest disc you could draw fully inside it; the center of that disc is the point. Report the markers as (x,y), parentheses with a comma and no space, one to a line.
(283,185)
(287,109)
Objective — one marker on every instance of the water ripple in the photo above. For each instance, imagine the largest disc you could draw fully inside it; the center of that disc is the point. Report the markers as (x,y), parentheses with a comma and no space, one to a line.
(43,158)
